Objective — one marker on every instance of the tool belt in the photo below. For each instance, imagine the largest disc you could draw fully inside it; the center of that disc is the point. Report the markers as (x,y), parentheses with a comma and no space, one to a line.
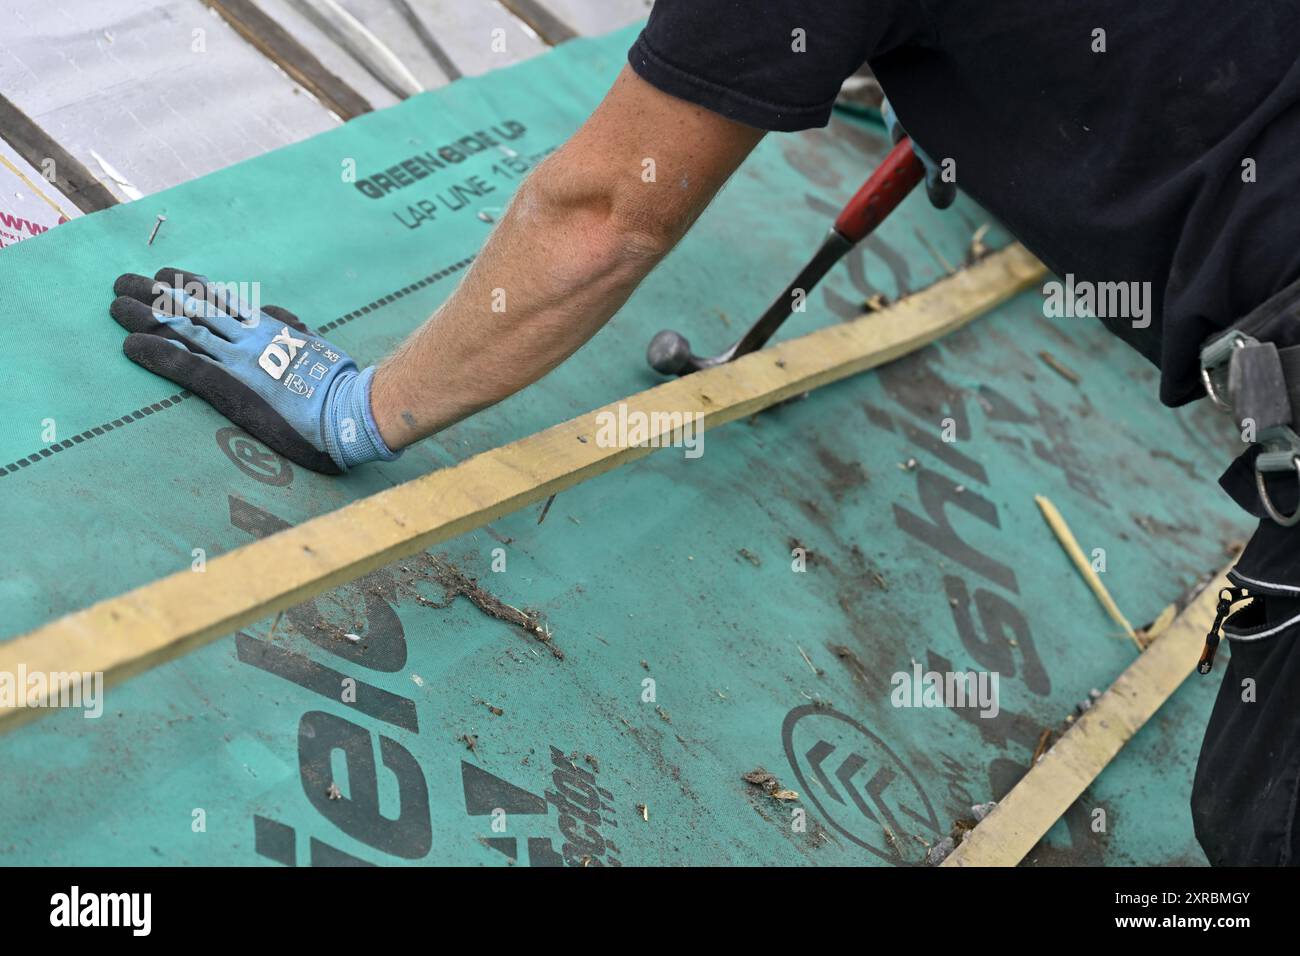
(1246,374)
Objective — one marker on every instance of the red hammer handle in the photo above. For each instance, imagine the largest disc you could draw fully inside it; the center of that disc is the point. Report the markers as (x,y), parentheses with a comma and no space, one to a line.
(887,187)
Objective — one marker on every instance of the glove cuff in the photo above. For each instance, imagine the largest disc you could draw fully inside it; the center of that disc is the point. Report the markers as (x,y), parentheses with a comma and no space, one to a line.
(351,435)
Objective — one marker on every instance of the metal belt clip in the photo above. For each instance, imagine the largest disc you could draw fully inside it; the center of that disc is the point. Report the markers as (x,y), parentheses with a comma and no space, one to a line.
(1279,452)
(1215,359)
(1247,378)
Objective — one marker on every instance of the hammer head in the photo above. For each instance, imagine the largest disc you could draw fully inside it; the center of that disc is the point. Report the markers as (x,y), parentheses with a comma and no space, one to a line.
(670,354)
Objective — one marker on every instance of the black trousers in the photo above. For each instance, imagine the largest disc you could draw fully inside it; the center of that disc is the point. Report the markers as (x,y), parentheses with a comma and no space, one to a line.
(1245,795)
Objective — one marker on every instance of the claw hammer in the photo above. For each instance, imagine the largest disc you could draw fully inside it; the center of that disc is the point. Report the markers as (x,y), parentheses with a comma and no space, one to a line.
(670,353)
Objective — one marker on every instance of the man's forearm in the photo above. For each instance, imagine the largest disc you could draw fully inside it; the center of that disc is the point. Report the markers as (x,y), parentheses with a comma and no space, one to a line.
(584,229)
(558,265)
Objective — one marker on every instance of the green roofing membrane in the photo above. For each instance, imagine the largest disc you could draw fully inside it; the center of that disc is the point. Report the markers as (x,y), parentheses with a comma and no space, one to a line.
(694,648)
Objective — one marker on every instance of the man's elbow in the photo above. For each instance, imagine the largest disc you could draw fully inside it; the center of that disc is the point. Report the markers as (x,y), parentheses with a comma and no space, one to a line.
(608,219)
(650,227)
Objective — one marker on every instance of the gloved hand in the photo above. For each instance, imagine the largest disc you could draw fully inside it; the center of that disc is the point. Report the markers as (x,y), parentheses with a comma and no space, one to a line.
(941,193)
(262,369)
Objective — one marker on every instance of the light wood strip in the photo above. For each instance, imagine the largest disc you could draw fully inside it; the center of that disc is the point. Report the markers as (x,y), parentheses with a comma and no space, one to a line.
(125,635)
(1042,796)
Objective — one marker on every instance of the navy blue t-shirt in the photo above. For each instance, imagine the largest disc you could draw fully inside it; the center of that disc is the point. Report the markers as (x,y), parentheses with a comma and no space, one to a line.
(1119,141)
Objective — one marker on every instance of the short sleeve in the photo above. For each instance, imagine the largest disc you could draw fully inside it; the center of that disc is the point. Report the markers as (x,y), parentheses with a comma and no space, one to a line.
(773,64)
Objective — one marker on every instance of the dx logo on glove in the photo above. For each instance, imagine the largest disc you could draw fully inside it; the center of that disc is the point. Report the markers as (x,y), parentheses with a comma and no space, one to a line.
(276,359)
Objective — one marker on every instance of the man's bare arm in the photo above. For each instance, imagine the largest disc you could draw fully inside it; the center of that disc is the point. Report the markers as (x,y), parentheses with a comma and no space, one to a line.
(581,233)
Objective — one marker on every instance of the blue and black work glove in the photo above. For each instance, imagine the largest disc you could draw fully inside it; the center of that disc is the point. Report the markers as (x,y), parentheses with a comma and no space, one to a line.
(261,368)
(941,192)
